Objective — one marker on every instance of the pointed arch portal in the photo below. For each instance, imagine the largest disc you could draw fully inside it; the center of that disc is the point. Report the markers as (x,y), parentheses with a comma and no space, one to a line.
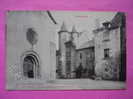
(30,65)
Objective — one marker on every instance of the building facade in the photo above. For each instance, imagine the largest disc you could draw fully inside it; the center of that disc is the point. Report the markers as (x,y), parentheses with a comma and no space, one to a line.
(104,56)
(70,59)
(108,49)
(69,56)
(31,49)
(85,57)
(64,36)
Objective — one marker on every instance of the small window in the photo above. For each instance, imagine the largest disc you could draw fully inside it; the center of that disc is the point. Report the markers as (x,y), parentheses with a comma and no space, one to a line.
(64,38)
(106,53)
(80,55)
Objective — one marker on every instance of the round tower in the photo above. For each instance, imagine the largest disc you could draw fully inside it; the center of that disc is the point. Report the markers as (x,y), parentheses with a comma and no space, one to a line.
(63,38)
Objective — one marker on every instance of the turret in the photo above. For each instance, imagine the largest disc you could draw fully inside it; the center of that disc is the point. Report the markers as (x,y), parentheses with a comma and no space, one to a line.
(74,35)
(63,38)
(63,28)
(74,29)
(62,35)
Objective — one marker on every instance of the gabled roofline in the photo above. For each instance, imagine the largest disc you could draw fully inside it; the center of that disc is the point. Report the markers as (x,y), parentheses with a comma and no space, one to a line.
(51,17)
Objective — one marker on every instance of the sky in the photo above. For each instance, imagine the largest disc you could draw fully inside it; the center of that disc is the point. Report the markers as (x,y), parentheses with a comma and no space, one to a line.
(84,22)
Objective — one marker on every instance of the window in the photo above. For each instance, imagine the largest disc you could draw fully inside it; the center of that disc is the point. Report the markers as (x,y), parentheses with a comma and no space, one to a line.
(64,38)
(68,54)
(80,55)
(106,53)
(106,36)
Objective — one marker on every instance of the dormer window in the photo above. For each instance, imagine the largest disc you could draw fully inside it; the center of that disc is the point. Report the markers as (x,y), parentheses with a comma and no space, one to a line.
(106,24)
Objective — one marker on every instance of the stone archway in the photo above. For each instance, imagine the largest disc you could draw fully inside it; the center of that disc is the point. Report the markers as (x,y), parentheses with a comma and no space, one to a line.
(30,62)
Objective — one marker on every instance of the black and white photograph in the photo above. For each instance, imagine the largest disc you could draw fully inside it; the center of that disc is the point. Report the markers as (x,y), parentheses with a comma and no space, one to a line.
(65,50)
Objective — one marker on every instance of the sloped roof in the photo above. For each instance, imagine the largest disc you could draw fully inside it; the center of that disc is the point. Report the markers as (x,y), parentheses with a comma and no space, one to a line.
(51,17)
(74,29)
(119,19)
(63,27)
(87,45)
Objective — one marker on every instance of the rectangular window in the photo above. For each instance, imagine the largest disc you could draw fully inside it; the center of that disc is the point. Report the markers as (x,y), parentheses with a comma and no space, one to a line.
(80,55)
(106,36)
(106,53)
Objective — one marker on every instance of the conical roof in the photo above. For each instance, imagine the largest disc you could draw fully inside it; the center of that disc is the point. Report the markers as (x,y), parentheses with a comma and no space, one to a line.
(74,29)
(63,27)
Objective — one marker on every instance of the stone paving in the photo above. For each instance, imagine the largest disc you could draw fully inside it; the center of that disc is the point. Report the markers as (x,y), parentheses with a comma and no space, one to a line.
(67,84)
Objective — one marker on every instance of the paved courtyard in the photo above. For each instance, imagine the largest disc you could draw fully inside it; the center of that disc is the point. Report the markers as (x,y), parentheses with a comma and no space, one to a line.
(68,84)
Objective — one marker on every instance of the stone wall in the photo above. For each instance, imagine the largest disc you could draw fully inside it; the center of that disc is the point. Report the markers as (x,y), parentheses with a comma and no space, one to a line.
(17,24)
(107,66)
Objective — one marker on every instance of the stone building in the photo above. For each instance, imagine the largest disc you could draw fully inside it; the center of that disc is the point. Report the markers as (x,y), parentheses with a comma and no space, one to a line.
(31,48)
(69,56)
(70,59)
(64,36)
(85,56)
(104,56)
(110,54)
(66,51)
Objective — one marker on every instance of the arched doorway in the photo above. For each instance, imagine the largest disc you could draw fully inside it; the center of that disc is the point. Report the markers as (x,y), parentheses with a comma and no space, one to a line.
(30,65)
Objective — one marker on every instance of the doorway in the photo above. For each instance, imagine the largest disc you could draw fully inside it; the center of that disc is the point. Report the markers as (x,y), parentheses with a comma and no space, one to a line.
(31,65)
